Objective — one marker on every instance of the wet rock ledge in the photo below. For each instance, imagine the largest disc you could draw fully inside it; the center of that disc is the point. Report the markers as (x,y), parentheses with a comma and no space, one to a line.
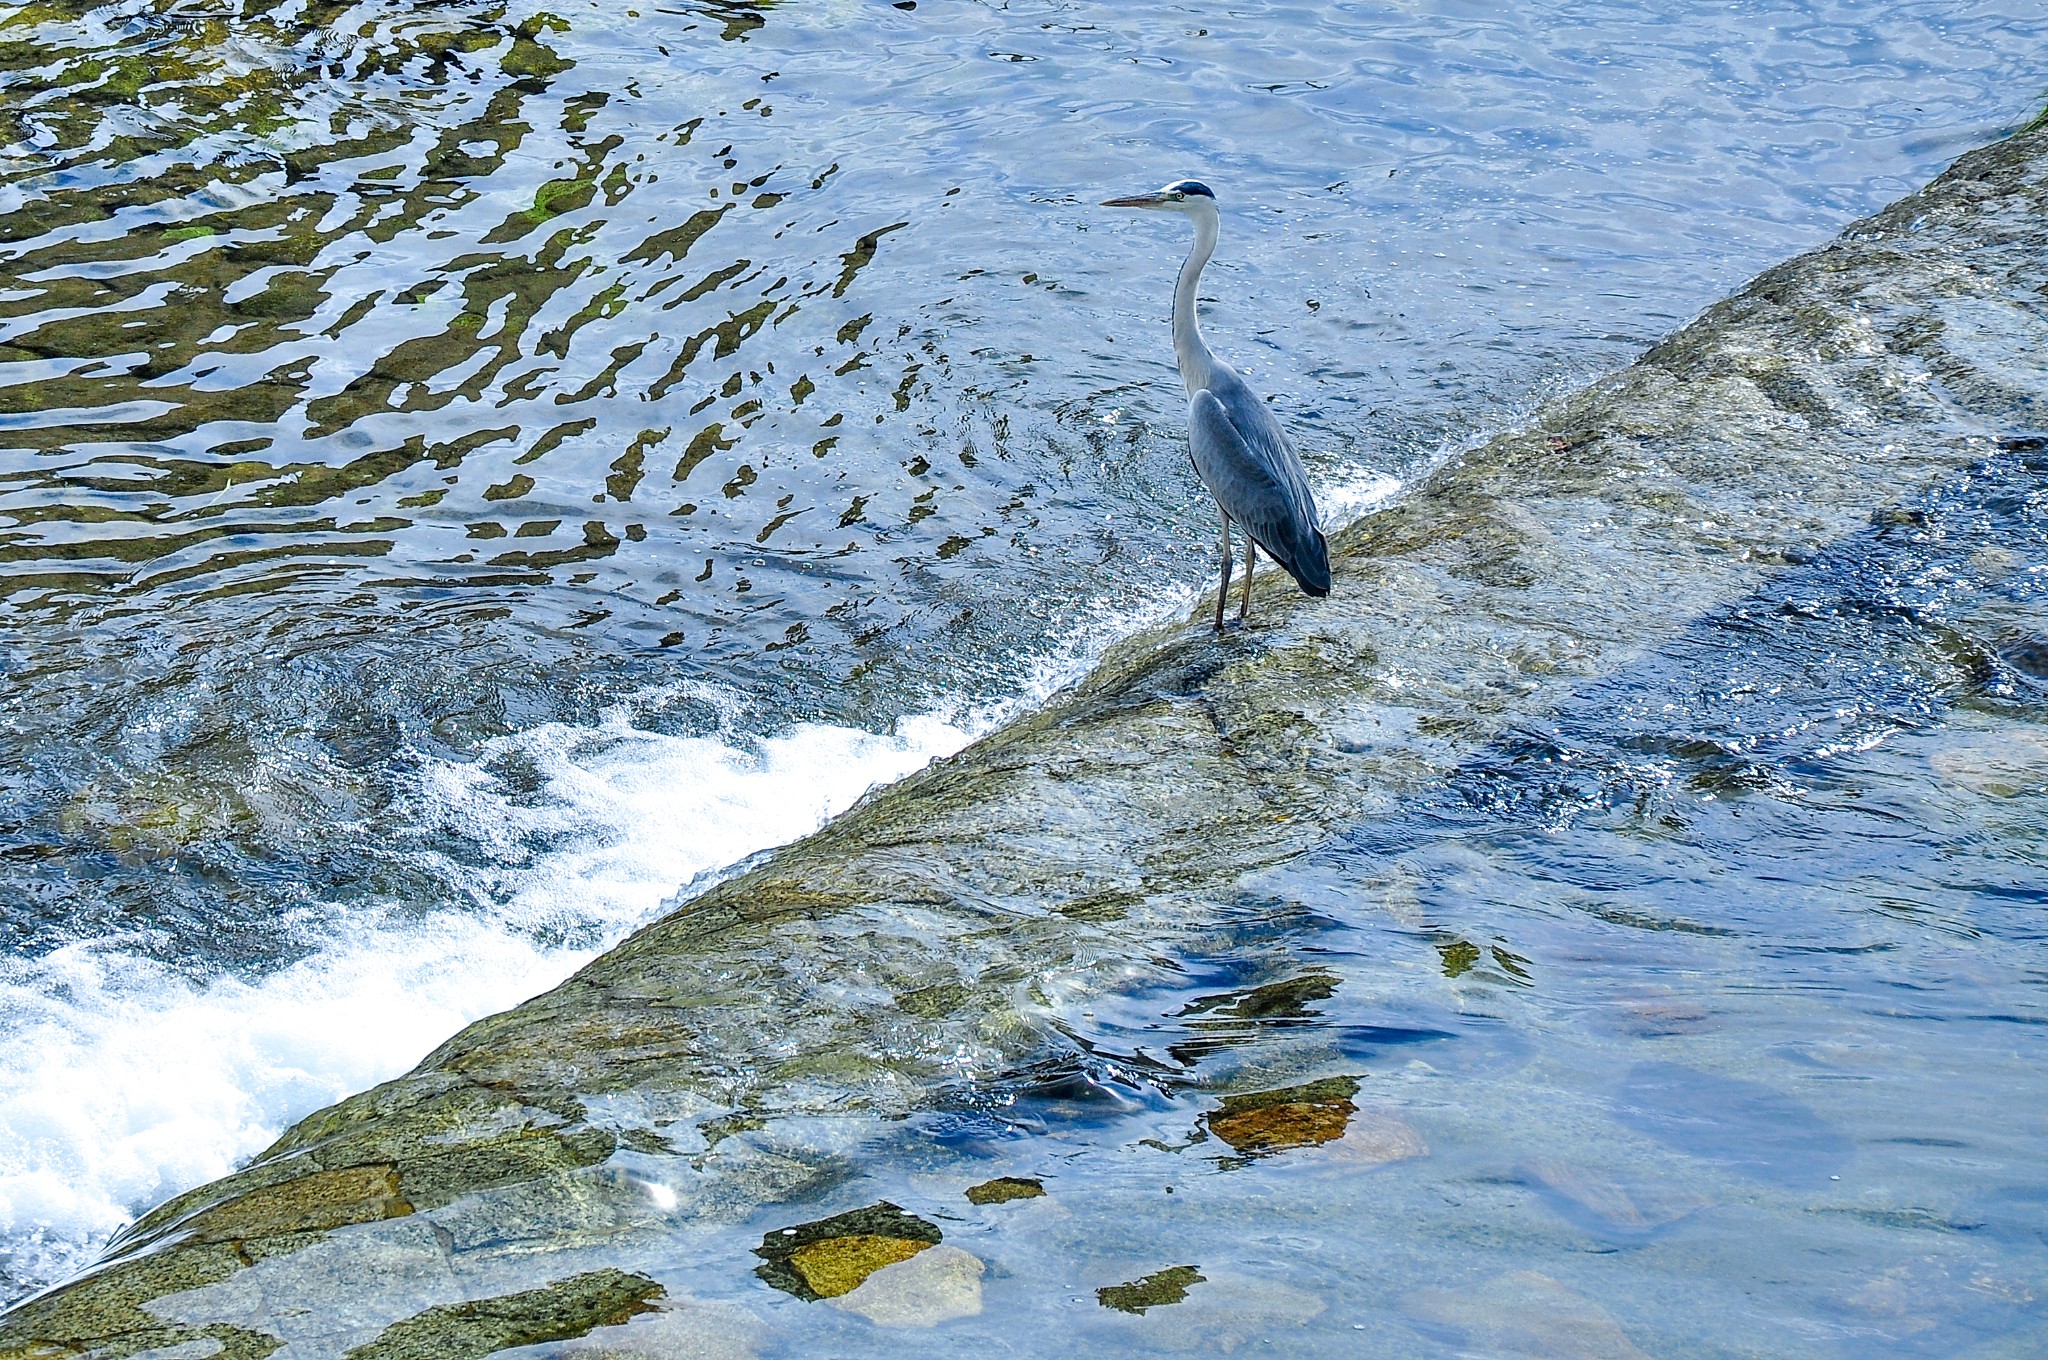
(933,938)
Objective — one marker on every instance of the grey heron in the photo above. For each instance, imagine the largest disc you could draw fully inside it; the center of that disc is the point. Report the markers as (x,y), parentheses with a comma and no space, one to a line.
(1238,448)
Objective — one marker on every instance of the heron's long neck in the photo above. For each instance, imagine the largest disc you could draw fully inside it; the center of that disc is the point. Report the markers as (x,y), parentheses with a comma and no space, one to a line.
(1196,363)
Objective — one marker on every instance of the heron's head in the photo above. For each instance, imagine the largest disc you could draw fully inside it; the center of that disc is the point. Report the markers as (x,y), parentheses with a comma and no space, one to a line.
(1183,195)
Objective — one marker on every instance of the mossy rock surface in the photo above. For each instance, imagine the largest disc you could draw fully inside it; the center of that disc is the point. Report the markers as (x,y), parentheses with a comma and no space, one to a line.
(840,1265)
(325,1199)
(1275,1128)
(833,1256)
(901,950)
(1157,1290)
(1003,1189)
(558,1312)
(1292,1117)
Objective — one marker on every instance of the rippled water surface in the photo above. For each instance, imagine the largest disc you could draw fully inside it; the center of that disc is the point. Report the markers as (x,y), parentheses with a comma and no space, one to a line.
(467,470)
(1702,1020)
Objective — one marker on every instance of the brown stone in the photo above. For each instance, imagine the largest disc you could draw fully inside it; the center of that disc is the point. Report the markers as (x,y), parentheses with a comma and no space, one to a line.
(1297,1116)
(1279,1127)
(839,1265)
(1003,1189)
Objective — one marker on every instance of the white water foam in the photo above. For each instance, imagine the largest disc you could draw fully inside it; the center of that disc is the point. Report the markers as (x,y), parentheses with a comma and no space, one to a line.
(122,1083)
(1350,493)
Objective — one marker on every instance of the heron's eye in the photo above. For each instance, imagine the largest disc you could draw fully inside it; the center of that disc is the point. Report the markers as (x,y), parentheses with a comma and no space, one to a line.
(1179,197)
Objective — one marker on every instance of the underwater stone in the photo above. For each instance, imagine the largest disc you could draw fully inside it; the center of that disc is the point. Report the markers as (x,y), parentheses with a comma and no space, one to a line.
(2006,765)
(1526,1313)
(682,1328)
(369,1276)
(832,1256)
(1160,1288)
(936,1285)
(1296,1117)
(1376,1138)
(839,1265)
(1275,1128)
(1744,1126)
(1233,1312)
(1003,1189)
(563,1310)
(1457,957)
(1604,1207)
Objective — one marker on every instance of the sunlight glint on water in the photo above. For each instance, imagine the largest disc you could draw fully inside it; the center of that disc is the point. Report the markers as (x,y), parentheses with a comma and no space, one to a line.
(471,471)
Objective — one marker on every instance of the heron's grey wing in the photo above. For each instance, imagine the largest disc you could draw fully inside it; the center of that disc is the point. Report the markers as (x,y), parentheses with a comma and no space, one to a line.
(1266,441)
(1278,515)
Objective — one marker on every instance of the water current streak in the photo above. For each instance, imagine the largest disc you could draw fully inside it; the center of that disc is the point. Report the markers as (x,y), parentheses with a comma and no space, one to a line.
(468,468)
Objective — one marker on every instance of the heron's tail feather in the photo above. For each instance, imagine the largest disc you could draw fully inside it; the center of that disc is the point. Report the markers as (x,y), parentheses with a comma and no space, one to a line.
(1307,559)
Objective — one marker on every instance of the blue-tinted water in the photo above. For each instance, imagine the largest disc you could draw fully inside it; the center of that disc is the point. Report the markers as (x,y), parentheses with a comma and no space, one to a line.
(1705,1019)
(470,470)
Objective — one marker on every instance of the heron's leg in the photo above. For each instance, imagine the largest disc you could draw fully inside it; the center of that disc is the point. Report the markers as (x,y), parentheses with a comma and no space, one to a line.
(1251,555)
(1223,591)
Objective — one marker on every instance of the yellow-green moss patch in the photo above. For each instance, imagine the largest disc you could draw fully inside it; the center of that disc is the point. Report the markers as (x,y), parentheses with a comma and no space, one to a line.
(1003,1189)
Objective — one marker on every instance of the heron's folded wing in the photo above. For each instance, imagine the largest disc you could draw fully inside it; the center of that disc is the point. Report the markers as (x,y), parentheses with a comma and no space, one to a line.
(1279,517)
(1263,437)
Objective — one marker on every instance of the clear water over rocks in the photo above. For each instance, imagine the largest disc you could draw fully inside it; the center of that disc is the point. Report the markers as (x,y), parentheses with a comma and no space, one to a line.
(840,423)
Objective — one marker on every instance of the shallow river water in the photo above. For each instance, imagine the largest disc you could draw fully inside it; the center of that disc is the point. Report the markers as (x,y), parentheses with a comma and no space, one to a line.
(470,471)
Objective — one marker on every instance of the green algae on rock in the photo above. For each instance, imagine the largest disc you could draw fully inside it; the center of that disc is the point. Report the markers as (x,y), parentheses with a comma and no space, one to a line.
(1003,1189)
(938,936)
(1156,1290)
(1298,1116)
(560,1312)
(840,1265)
(935,1285)
(833,1256)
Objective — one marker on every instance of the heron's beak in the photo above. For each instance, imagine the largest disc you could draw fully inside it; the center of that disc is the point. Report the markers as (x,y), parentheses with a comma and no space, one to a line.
(1154,200)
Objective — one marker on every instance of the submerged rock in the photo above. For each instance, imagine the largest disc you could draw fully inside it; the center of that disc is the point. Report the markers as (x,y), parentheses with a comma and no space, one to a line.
(1526,1313)
(1607,1207)
(911,948)
(2006,765)
(1297,1117)
(833,1256)
(1376,1138)
(936,1285)
(1003,1189)
(1744,1126)
(1319,1114)
(474,1329)
(839,1265)
(1156,1290)
(680,1329)
(1230,1312)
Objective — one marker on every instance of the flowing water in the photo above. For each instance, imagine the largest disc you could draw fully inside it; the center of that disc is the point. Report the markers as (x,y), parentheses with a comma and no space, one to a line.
(474,470)
(1801,842)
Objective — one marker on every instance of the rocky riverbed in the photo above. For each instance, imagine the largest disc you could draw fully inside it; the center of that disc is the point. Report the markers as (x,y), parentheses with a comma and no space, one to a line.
(554,1172)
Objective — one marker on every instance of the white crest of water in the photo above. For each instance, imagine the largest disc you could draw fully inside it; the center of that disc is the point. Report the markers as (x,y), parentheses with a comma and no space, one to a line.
(122,1082)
